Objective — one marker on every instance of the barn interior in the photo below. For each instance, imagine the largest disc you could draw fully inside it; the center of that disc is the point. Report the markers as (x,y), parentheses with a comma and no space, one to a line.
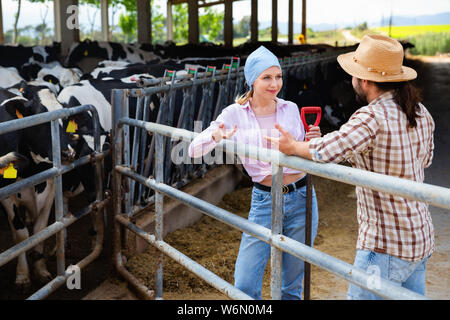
(124,280)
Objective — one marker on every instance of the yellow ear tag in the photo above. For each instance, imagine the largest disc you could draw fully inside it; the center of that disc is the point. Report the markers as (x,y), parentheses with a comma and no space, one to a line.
(18,114)
(21,90)
(85,53)
(72,126)
(10,172)
(50,80)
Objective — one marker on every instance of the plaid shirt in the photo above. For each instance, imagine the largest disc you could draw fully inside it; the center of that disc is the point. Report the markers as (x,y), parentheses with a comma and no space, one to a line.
(377,138)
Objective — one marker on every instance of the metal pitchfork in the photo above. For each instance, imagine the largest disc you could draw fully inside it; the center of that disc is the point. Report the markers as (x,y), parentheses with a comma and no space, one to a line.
(308,231)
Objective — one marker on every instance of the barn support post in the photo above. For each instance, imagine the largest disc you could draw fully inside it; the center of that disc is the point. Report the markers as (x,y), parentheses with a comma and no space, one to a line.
(193,21)
(104,18)
(169,23)
(228,24)
(254,21)
(291,22)
(2,35)
(144,21)
(304,18)
(67,28)
(274,21)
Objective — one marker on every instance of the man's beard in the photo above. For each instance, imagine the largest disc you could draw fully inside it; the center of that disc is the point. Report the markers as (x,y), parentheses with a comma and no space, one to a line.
(360,95)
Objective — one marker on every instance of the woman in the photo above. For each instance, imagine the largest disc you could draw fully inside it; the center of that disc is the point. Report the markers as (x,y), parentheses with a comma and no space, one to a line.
(249,121)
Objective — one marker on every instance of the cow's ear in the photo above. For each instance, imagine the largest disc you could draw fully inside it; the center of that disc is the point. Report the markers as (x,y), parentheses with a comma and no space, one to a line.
(51,79)
(23,87)
(17,108)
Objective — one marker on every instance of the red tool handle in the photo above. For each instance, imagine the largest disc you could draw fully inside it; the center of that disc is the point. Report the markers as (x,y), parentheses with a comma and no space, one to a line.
(304,110)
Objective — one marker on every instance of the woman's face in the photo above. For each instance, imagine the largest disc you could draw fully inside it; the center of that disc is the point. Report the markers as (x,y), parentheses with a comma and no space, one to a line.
(269,83)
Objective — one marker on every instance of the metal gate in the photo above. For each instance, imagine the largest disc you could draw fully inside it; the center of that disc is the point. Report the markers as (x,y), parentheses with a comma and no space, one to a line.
(55,173)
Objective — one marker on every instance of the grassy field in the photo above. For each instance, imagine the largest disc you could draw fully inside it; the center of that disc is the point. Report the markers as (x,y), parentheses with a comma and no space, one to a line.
(411,31)
(428,40)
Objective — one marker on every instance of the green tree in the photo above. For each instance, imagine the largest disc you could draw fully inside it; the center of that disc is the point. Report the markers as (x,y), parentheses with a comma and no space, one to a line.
(16,30)
(362,26)
(180,23)
(128,24)
(211,24)
(242,29)
(158,25)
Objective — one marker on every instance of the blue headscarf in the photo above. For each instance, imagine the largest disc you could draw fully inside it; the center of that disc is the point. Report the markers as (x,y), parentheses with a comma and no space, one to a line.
(258,61)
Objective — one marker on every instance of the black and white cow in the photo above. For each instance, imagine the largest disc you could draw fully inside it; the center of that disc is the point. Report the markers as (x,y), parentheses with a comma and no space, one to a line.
(108,51)
(9,77)
(28,60)
(57,74)
(120,70)
(17,56)
(30,152)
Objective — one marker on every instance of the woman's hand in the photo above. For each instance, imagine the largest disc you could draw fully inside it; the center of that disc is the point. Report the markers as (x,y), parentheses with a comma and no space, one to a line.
(314,132)
(221,133)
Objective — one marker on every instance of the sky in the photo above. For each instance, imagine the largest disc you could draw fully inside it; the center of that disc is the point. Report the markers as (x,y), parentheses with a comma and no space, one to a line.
(317,11)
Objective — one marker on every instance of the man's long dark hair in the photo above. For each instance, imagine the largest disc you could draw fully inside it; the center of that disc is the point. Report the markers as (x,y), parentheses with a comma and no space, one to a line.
(407,96)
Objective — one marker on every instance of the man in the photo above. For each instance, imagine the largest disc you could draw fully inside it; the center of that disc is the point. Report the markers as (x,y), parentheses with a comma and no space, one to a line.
(391,135)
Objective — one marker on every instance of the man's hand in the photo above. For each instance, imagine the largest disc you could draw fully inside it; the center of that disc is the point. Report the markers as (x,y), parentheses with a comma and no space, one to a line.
(314,132)
(285,143)
(221,133)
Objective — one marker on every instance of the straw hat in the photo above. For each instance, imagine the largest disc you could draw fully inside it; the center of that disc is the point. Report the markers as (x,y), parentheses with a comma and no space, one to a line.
(378,58)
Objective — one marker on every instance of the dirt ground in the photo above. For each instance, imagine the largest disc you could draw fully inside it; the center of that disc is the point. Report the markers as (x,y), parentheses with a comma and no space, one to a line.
(215,245)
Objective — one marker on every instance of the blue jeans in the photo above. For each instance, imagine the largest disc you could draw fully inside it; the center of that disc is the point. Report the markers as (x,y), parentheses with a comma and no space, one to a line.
(254,254)
(410,275)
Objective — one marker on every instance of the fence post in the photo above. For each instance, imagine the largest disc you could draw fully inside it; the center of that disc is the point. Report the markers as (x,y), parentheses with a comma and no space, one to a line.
(159,207)
(59,208)
(277,228)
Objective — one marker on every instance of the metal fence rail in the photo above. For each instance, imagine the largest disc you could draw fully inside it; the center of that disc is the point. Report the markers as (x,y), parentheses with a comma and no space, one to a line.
(435,195)
(56,173)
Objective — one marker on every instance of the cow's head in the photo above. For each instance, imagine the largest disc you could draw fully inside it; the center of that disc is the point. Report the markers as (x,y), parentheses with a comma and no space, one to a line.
(37,139)
(82,140)
(84,49)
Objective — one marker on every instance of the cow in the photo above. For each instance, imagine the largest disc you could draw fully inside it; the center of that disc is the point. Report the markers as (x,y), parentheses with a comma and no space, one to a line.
(103,50)
(121,71)
(17,56)
(9,77)
(29,152)
(28,60)
(57,74)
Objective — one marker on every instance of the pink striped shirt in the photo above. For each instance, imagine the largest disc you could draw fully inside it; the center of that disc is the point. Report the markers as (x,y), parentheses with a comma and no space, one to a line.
(249,132)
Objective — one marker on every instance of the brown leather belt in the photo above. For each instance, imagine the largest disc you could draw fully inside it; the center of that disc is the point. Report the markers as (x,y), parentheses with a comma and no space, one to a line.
(286,189)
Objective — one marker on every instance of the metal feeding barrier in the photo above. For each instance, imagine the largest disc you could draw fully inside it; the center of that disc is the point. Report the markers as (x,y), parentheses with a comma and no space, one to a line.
(157,172)
(55,173)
